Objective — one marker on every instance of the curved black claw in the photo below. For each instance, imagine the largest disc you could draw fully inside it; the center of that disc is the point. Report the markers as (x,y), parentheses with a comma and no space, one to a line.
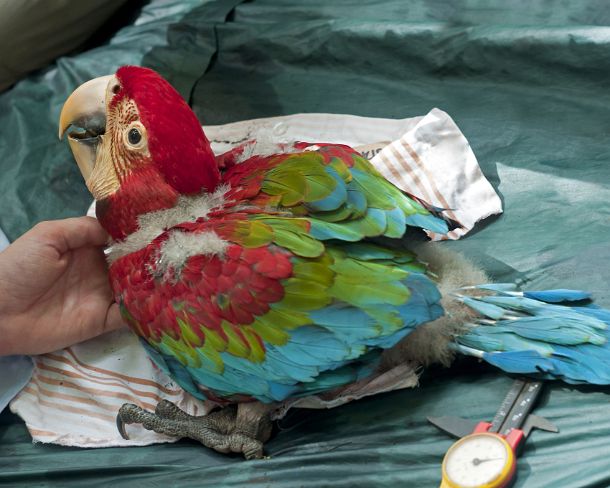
(120,425)
(123,418)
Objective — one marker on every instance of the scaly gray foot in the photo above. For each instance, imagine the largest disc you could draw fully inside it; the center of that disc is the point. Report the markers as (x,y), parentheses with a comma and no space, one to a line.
(241,429)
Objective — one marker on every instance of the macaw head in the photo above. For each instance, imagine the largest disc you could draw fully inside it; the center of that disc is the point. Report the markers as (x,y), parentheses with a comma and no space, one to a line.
(138,146)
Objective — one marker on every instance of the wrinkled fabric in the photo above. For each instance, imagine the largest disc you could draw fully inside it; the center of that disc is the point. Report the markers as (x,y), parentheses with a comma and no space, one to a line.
(527,82)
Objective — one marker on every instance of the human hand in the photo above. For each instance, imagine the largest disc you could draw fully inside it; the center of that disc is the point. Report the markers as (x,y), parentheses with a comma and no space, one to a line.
(54,289)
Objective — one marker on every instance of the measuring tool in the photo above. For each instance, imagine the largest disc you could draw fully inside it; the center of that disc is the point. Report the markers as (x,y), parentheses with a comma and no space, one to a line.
(485,456)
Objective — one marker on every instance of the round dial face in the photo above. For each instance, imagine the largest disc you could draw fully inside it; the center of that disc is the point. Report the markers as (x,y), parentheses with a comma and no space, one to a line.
(477,460)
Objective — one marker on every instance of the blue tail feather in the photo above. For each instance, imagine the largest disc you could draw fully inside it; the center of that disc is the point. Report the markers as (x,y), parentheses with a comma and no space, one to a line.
(558,296)
(545,333)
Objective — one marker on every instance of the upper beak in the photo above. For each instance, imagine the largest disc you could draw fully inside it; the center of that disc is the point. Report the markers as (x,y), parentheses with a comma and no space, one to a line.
(85,109)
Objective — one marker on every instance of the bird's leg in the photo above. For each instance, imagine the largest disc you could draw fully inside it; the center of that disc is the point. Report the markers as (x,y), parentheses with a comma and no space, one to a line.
(243,429)
(253,420)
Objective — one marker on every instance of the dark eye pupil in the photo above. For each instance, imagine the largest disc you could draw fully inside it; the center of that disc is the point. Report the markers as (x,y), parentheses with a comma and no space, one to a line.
(134,136)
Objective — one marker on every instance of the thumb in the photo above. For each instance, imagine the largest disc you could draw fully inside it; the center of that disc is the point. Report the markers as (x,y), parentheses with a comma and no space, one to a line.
(73,233)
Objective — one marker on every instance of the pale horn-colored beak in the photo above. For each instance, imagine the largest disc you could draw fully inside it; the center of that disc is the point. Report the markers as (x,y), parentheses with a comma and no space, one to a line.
(85,109)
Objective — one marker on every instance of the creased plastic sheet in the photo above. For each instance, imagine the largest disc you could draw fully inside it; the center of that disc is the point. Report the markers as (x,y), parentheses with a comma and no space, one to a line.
(527,82)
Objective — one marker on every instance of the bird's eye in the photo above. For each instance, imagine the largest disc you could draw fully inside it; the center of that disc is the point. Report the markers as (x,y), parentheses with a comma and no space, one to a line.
(134,136)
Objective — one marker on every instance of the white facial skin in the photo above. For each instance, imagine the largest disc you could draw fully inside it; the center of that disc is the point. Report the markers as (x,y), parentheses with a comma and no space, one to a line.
(122,148)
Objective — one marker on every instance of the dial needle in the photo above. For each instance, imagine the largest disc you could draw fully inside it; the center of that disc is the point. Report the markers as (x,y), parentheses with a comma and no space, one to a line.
(477,461)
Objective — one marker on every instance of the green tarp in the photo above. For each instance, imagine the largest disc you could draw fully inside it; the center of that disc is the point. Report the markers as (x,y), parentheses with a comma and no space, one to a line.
(528,84)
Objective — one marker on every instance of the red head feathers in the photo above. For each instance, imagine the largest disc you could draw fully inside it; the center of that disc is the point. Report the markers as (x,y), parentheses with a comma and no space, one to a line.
(139,146)
(178,147)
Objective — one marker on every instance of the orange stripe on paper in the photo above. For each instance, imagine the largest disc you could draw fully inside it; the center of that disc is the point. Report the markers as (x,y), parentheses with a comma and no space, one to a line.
(41,433)
(62,408)
(94,392)
(91,391)
(390,167)
(110,382)
(107,372)
(404,165)
(430,177)
(416,179)
(132,379)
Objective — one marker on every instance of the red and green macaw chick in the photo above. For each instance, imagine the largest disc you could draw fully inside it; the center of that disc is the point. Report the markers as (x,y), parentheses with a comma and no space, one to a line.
(251,286)
(277,278)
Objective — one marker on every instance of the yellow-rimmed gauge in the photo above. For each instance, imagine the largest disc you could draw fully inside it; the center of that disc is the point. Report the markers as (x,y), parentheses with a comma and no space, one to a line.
(481,460)
(484,457)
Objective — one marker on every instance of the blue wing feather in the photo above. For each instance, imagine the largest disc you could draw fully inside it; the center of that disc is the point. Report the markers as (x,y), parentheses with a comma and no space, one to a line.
(337,197)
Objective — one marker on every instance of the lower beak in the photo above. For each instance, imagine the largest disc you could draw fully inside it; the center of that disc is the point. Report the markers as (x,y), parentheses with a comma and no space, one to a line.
(85,152)
(85,109)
